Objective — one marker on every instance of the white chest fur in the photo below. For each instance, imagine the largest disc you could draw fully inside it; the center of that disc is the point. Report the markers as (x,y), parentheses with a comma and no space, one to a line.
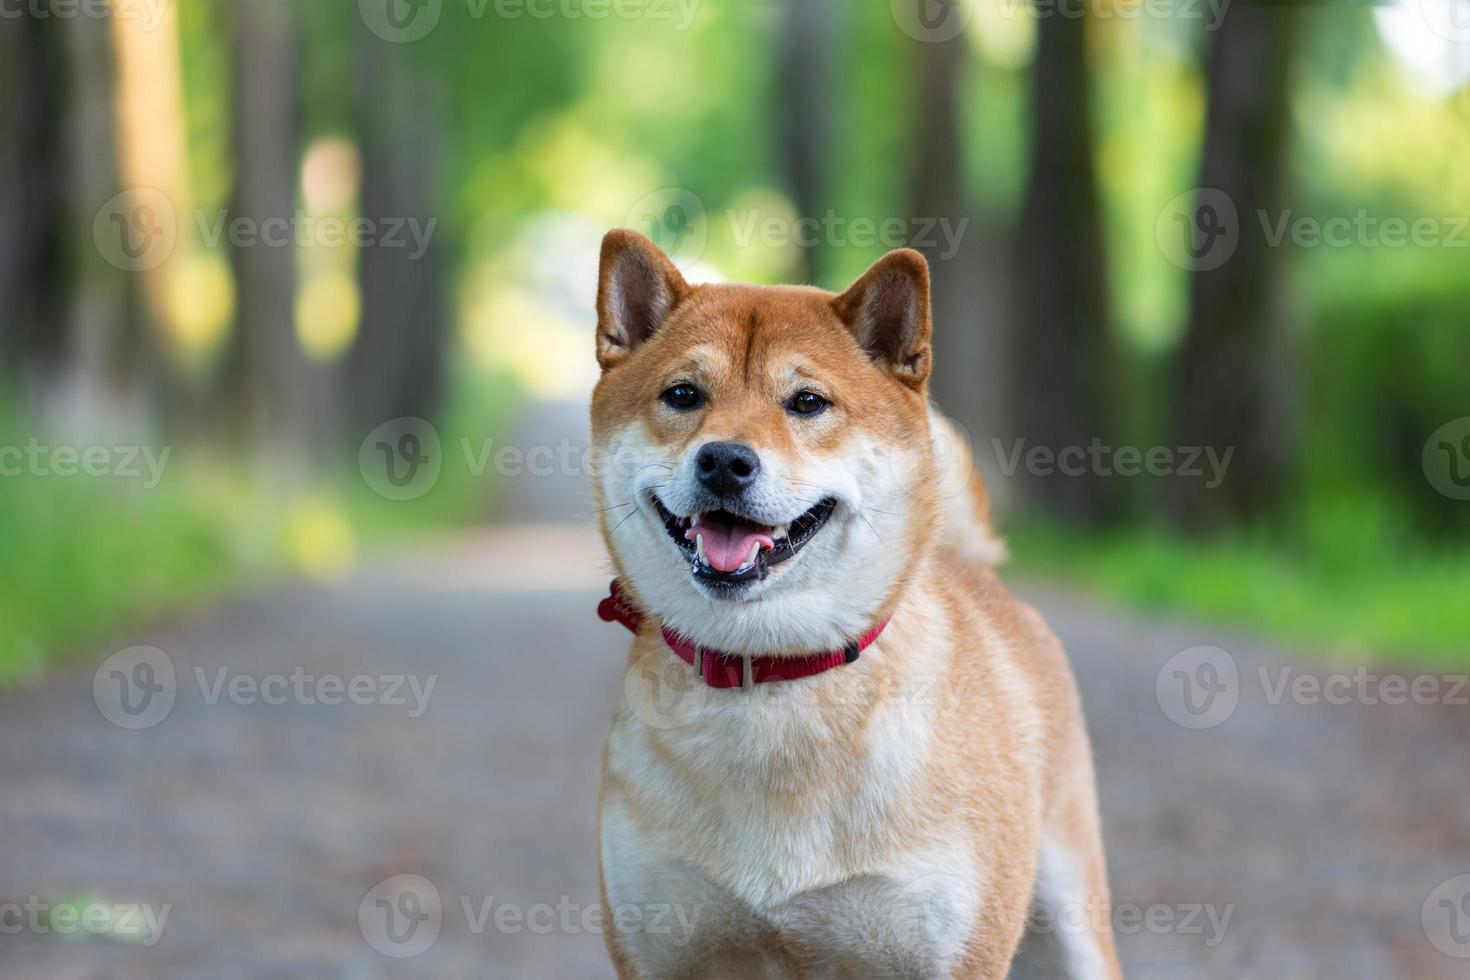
(771,810)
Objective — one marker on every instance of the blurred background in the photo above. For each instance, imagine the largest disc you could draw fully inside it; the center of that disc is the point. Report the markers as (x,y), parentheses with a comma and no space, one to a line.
(296,331)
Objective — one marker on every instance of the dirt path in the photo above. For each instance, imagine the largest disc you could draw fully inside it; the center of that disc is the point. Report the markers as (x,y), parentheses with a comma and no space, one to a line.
(1321,830)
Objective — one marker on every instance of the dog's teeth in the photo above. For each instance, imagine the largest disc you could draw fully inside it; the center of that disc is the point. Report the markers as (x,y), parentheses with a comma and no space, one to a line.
(755,550)
(699,549)
(782,532)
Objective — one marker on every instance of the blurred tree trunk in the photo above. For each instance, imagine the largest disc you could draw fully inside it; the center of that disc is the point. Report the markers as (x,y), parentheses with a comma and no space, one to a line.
(396,365)
(1062,343)
(72,339)
(1233,374)
(33,86)
(804,103)
(968,291)
(115,379)
(276,400)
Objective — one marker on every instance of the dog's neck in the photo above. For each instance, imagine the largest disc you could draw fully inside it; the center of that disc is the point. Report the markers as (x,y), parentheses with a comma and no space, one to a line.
(780,738)
(719,669)
(773,626)
(792,624)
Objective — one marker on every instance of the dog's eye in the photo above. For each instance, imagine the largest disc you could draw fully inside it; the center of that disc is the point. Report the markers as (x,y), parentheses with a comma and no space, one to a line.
(806,403)
(683,397)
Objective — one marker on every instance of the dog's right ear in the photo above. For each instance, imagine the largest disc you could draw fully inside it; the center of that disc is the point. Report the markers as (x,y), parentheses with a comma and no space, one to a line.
(887,311)
(637,288)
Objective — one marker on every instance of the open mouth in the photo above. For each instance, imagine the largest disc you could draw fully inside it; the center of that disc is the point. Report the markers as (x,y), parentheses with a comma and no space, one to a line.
(727,549)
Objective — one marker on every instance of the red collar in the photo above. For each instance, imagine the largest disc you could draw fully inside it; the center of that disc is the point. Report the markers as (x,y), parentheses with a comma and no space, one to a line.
(730,670)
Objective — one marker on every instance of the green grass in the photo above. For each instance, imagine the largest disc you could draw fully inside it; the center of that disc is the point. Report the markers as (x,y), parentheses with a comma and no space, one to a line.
(83,558)
(79,557)
(482,407)
(1402,604)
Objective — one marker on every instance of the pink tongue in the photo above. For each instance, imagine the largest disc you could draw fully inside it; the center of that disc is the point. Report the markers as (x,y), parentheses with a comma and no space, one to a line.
(727,546)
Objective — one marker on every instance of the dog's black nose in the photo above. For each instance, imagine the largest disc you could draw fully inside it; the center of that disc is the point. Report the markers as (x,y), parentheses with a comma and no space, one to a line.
(727,468)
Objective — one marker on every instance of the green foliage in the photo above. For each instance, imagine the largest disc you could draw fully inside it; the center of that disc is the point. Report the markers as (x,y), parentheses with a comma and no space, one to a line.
(82,556)
(1342,586)
(573,114)
(205,65)
(480,410)
(1387,363)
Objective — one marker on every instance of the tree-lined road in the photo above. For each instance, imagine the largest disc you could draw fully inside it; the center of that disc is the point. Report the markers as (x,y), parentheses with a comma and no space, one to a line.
(1291,840)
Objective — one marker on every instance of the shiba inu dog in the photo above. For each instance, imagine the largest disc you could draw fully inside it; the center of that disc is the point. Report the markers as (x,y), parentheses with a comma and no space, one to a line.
(845,749)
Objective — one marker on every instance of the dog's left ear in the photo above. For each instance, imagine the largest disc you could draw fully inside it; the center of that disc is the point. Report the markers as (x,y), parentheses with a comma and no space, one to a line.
(637,288)
(887,310)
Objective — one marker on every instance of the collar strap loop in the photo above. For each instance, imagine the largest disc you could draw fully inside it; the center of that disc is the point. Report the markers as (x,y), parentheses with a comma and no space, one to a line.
(725,670)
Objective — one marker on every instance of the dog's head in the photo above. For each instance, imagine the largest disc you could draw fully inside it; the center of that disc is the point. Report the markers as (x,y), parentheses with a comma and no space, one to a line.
(764,467)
